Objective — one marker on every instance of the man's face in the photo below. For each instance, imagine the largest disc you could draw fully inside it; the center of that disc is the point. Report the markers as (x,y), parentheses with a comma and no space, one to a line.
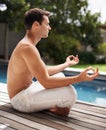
(45,27)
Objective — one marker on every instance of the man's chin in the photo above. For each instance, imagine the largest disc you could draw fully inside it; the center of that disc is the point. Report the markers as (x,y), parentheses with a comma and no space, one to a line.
(45,36)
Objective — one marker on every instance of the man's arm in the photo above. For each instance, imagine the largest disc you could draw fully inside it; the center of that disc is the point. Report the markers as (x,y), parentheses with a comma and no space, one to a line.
(70,61)
(39,71)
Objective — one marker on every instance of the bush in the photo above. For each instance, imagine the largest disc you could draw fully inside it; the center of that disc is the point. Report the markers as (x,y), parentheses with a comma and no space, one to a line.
(101,58)
(58,47)
(87,57)
(102,49)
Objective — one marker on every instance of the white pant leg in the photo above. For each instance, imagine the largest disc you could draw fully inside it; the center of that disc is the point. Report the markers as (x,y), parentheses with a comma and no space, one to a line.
(38,98)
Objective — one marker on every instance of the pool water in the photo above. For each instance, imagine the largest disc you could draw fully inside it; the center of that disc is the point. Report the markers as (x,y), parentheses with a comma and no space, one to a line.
(3,73)
(92,92)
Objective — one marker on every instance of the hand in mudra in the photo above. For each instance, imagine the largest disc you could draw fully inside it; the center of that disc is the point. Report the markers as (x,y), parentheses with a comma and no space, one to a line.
(72,60)
(87,76)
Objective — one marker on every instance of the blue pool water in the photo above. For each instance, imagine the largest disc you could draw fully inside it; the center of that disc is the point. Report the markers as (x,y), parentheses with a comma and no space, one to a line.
(92,92)
(3,73)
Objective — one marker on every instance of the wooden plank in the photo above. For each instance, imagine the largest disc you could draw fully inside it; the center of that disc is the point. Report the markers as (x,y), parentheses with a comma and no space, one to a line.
(34,117)
(67,121)
(3,96)
(84,116)
(51,119)
(4,100)
(91,107)
(93,117)
(11,124)
(89,123)
(3,87)
(5,127)
(24,121)
(83,122)
(6,94)
(2,103)
(60,120)
(90,113)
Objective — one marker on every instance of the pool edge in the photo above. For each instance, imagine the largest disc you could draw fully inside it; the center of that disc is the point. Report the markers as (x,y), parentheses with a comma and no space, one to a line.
(75,71)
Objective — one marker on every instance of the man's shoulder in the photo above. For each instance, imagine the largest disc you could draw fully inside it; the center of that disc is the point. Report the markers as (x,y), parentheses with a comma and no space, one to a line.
(26,47)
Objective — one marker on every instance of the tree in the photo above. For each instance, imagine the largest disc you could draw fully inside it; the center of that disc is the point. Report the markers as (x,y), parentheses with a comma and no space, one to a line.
(102,53)
(89,35)
(73,25)
(64,15)
(70,20)
(14,12)
(90,31)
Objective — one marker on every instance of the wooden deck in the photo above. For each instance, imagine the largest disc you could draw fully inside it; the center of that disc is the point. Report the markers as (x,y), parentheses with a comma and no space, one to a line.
(82,117)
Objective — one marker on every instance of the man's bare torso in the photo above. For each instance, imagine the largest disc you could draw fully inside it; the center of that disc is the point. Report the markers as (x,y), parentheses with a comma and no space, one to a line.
(19,76)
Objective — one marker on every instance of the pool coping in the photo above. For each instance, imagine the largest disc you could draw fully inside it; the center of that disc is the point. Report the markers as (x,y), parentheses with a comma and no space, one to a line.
(91,104)
(75,71)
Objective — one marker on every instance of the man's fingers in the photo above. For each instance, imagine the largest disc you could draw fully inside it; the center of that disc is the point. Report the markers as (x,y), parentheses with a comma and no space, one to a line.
(76,56)
(89,69)
(92,72)
(97,70)
(72,57)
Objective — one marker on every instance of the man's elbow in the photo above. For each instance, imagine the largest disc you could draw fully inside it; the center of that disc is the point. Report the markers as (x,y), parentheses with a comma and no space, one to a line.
(46,83)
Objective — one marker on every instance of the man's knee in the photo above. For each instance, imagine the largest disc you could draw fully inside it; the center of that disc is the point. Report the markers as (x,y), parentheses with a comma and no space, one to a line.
(68,98)
(73,94)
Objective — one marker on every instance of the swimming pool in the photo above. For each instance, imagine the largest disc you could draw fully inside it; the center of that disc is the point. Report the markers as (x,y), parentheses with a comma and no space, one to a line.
(91,92)
(3,72)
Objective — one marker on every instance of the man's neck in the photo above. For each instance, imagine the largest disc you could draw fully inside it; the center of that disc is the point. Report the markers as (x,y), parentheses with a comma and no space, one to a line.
(33,38)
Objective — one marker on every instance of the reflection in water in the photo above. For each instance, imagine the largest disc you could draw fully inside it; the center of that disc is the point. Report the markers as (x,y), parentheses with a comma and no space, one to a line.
(93,92)
(101,89)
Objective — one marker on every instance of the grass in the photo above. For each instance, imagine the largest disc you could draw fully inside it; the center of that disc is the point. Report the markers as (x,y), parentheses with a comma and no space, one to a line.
(102,67)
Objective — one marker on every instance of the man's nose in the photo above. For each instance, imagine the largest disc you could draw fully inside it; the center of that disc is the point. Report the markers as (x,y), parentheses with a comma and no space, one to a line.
(49,28)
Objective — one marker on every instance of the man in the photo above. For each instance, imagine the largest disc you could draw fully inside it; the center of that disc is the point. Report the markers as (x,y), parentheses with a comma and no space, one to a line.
(52,91)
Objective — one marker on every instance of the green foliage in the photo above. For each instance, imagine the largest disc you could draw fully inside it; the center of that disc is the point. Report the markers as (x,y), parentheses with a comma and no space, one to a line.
(58,47)
(87,57)
(102,53)
(102,49)
(90,31)
(14,13)
(71,20)
(72,25)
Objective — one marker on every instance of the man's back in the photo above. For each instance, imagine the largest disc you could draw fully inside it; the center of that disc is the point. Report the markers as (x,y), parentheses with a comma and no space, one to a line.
(19,76)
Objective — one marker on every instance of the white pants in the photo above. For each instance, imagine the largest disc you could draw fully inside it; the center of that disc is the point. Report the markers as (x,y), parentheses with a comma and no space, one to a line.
(36,97)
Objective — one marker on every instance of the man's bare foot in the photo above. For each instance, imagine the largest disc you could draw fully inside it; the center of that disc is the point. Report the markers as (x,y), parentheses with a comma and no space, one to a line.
(60,111)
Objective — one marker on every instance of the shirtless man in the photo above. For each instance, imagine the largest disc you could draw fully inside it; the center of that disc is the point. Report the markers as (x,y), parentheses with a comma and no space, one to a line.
(52,90)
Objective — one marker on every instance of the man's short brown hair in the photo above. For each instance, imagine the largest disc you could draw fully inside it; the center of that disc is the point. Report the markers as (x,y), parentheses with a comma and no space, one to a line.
(33,15)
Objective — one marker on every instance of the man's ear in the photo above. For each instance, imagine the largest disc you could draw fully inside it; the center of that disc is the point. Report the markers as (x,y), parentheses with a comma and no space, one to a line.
(36,24)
